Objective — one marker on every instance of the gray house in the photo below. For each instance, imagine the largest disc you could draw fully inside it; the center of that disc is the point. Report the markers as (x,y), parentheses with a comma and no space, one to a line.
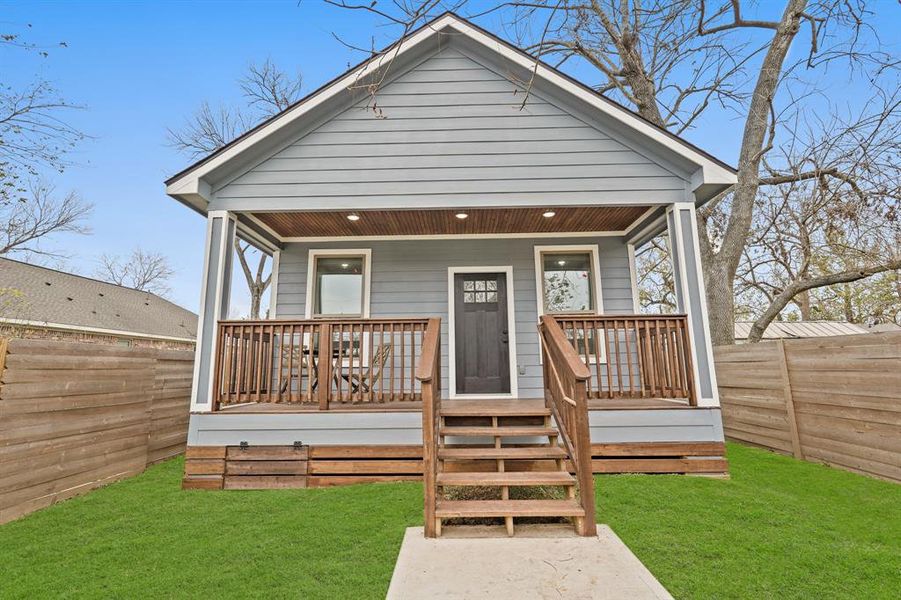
(452,230)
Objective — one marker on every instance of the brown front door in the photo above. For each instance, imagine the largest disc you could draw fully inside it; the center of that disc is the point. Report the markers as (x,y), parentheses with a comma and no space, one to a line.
(481,335)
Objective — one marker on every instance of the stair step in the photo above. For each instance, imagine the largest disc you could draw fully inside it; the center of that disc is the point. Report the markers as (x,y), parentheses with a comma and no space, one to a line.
(508,478)
(511,453)
(499,431)
(494,408)
(447,509)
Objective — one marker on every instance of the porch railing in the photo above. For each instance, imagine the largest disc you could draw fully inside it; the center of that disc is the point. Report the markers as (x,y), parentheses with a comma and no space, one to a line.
(566,394)
(633,356)
(429,374)
(318,362)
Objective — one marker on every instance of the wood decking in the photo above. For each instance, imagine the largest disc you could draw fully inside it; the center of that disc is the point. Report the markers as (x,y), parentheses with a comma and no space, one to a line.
(594,404)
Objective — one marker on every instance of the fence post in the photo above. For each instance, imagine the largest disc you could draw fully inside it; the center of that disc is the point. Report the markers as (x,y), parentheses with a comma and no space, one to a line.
(789,401)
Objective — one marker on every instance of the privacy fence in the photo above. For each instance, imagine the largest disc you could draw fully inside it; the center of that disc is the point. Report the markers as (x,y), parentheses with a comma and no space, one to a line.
(74,416)
(834,400)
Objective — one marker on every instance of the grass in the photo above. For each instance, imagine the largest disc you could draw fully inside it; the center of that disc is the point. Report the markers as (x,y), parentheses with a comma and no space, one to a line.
(779,528)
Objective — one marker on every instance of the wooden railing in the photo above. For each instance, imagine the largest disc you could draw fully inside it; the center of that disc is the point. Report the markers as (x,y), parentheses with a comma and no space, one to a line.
(566,394)
(318,362)
(429,375)
(633,356)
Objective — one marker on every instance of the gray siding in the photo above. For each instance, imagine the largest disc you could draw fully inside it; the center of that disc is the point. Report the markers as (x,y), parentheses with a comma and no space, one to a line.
(409,278)
(452,129)
(609,426)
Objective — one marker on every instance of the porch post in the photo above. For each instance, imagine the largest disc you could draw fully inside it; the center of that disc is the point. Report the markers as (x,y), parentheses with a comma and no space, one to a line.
(214,298)
(691,298)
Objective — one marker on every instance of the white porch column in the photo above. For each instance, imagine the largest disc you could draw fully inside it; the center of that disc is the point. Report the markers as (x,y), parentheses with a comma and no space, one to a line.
(214,298)
(691,297)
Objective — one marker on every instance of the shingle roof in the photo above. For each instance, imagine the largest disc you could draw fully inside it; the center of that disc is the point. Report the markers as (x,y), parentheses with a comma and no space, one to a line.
(42,295)
(801,329)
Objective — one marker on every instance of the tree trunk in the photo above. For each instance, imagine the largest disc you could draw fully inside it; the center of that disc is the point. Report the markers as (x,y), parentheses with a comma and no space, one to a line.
(803,302)
(720,267)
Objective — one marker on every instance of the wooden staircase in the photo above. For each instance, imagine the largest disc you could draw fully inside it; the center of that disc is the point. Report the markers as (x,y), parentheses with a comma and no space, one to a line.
(519,455)
(471,462)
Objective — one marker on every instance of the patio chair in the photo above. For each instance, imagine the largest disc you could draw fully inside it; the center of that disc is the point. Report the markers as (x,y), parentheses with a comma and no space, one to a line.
(364,382)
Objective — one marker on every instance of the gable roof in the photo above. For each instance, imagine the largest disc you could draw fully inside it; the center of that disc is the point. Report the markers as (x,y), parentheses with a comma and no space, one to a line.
(38,296)
(712,175)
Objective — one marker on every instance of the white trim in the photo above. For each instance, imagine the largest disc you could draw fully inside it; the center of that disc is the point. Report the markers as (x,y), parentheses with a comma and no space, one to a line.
(198,349)
(597,286)
(453,236)
(681,279)
(714,401)
(639,220)
(711,171)
(451,330)
(226,247)
(273,284)
(225,216)
(97,330)
(250,216)
(366,253)
(633,279)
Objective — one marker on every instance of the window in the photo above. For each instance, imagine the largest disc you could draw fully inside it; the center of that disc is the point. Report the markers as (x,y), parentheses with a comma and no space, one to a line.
(567,280)
(338,284)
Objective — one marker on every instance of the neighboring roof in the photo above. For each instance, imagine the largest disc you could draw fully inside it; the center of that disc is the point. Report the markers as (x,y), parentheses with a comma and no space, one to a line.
(800,329)
(38,296)
(189,187)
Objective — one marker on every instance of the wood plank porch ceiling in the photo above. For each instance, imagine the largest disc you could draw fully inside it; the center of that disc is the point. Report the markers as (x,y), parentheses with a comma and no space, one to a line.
(444,222)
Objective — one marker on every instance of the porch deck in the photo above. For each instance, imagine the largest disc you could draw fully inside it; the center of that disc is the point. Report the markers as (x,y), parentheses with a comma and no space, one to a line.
(593,405)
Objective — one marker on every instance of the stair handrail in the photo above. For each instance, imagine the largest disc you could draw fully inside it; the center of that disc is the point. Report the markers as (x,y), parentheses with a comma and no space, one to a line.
(429,375)
(566,394)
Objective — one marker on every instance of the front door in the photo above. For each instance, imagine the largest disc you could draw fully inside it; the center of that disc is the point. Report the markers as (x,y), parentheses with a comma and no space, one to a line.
(481,337)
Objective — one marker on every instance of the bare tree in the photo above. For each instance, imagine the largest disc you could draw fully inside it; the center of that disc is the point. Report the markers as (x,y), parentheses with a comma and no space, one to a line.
(26,223)
(830,215)
(145,271)
(654,277)
(672,60)
(267,90)
(255,280)
(33,131)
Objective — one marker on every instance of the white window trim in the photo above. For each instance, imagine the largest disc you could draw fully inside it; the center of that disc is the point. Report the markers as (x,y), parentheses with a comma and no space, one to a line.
(452,328)
(592,249)
(315,253)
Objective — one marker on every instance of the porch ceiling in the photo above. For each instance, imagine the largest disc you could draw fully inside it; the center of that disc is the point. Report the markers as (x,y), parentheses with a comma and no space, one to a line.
(444,222)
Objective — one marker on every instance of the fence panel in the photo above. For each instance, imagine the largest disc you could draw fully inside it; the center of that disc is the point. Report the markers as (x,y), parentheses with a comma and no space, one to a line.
(835,400)
(74,416)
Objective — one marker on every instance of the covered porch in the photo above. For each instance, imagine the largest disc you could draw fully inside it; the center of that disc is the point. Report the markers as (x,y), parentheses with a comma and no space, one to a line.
(357,345)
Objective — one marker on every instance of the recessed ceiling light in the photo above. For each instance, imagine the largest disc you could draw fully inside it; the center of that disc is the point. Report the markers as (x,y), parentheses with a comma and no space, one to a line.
(561,262)
(461,215)
(353,217)
(548,214)
(345,265)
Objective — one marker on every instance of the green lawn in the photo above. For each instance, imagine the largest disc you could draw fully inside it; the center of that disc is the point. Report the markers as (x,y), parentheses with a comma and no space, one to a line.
(779,528)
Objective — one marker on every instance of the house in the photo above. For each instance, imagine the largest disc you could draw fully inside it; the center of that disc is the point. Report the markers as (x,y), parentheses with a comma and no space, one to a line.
(799,329)
(37,302)
(453,273)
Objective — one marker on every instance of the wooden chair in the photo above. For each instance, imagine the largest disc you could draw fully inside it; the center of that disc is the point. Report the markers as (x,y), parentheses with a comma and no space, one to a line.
(299,357)
(364,382)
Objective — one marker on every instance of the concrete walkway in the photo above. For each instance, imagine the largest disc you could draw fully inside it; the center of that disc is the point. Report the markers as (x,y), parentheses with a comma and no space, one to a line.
(534,564)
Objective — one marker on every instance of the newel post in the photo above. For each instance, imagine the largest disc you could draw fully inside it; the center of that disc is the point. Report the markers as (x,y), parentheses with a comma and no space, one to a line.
(214,304)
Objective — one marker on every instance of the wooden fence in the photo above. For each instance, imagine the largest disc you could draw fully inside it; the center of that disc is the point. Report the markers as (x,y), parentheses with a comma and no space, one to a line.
(75,416)
(834,400)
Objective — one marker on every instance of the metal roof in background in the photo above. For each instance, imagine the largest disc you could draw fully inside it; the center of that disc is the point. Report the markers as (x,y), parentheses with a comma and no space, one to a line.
(800,329)
(41,295)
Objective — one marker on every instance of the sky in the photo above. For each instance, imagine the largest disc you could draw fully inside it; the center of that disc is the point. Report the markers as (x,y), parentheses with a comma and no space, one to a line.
(139,68)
